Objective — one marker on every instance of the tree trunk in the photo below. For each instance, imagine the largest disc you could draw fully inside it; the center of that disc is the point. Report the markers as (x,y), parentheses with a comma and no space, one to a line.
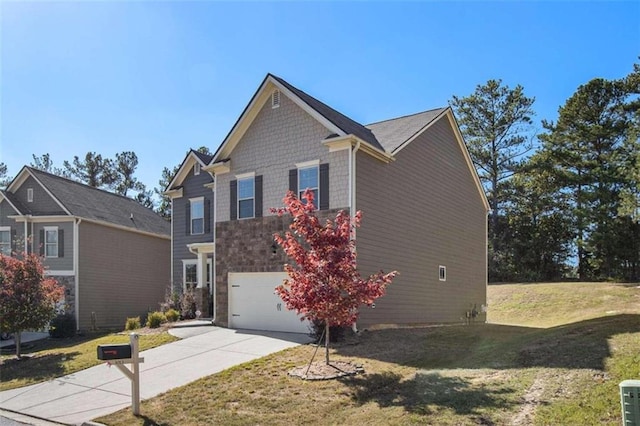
(326,342)
(17,340)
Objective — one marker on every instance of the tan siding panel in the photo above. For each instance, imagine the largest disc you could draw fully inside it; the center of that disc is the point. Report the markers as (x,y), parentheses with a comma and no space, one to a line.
(421,211)
(122,274)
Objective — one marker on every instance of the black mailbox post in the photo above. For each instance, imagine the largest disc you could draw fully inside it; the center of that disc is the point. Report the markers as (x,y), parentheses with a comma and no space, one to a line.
(109,352)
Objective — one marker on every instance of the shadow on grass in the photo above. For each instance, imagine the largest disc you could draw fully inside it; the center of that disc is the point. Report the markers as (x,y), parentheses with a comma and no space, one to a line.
(148,421)
(38,368)
(580,345)
(429,393)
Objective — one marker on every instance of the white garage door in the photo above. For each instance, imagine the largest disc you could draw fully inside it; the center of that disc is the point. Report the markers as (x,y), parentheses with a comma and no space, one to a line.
(254,305)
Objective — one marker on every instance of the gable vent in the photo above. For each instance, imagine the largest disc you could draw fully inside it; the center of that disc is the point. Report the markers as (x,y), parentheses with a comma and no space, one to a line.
(275,99)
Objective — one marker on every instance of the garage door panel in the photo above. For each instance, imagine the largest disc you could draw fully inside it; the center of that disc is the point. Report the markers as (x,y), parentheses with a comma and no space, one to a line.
(254,305)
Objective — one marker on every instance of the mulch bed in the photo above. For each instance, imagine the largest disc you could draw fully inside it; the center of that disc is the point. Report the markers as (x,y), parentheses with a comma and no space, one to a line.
(324,371)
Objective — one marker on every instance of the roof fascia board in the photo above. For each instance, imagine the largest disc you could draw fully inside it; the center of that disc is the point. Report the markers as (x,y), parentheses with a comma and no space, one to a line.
(40,219)
(47,191)
(253,108)
(337,143)
(218,168)
(173,193)
(467,157)
(18,180)
(421,131)
(4,198)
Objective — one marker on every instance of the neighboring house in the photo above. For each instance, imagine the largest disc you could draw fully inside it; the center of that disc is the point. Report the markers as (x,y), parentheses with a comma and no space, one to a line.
(110,252)
(424,209)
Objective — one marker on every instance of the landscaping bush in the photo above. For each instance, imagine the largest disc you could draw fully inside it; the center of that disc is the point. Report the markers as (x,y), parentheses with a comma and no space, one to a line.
(63,325)
(155,319)
(188,305)
(132,324)
(336,333)
(172,315)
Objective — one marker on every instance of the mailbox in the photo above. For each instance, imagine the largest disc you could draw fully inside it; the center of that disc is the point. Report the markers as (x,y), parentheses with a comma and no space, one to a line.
(108,352)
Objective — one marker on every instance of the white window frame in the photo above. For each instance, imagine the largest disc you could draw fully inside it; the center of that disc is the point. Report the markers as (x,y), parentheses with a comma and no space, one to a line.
(245,177)
(442,273)
(194,262)
(29,195)
(47,244)
(305,166)
(192,201)
(2,244)
(196,169)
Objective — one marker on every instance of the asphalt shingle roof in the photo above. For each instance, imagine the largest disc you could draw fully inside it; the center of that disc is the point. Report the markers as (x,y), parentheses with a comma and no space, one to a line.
(95,204)
(206,159)
(396,131)
(22,209)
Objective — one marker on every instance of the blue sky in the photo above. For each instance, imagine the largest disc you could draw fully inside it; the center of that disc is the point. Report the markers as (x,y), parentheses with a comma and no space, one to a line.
(159,78)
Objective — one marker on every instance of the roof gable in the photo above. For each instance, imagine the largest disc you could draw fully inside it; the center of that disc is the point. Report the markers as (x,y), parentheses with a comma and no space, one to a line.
(394,133)
(190,159)
(98,205)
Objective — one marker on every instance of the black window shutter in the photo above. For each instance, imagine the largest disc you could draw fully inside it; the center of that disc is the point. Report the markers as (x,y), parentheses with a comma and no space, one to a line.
(60,242)
(233,192)
(293,181)
(207,216)
(324,186)
(42,242)
(187,218)
(258,193)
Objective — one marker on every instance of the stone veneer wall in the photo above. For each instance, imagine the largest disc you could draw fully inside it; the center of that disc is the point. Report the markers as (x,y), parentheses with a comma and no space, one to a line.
(247,246)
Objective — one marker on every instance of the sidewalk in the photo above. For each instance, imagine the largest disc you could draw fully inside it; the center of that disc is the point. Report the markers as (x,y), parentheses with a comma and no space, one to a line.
(97,391)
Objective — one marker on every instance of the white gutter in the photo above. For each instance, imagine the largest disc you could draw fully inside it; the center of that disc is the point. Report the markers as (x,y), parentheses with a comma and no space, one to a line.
(352,197)
(76,267)
(26,235)
(172,241)
(213,263)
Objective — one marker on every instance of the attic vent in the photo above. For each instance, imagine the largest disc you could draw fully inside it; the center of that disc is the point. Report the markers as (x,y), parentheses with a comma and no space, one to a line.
(196,169)
(30,195)
(275,99)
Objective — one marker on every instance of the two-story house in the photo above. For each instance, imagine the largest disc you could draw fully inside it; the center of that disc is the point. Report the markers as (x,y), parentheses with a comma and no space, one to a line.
(424,209)
(110,252)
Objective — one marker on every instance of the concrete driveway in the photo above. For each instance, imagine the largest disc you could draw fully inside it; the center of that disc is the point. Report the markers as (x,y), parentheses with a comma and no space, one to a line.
(100,390)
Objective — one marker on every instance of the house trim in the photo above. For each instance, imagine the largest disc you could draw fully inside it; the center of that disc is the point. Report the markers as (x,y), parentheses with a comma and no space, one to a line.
(22,177)
(183,171)
(50,272)
(17,210)
(421,131)
(343,142)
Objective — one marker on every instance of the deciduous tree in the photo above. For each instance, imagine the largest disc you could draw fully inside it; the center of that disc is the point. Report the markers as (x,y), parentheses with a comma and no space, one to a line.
(28,298)
(324,283)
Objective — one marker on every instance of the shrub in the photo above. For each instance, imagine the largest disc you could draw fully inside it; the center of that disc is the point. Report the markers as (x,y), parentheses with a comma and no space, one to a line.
(188,305)
(336,333)
(63,325)
(172,315)
(132,324)
(155,319)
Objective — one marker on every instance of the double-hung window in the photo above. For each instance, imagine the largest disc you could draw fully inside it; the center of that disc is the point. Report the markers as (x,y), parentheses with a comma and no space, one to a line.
(246,198)
(5,240)
(51,241)
(308,178)
(197,215)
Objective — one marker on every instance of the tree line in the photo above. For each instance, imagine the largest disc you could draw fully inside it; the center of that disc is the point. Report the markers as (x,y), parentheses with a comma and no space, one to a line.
(575,198)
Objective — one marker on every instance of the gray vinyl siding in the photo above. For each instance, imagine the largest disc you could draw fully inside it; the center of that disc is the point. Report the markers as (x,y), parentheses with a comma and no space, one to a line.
(64,263)
(421,211)
(121,274)
(17,228)
(276,140)
(193,187)
(42,204)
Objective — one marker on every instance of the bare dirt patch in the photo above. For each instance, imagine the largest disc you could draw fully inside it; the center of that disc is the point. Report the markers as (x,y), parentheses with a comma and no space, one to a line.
(324,371)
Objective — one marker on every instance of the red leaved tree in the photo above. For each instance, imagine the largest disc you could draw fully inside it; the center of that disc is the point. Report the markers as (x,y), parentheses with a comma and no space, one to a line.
(324,283)
(27,299)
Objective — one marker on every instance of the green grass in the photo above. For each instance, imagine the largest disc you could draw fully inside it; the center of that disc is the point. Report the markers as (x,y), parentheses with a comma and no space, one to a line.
(557,358)
(50,358)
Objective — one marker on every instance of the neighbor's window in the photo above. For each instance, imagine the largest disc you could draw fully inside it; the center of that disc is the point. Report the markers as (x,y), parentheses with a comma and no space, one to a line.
(197,216)
(246,198)
(51,241)
(308,178)
(30,195)
(442,270)
(5,240)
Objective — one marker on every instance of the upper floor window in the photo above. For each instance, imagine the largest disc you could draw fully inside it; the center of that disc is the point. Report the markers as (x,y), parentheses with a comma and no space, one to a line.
(197,215)
(246,198)
(30,195)
(5,240)
(51,241)
(196,169)
(308,179)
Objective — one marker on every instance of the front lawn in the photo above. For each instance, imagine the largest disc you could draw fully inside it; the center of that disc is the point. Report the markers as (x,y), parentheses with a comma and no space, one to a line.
(50,358)
(489,374)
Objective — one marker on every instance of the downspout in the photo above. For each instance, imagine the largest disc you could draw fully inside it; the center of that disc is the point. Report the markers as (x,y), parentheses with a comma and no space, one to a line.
(26,234)
(76,268)
(215,252)
(171,259)
(352,196)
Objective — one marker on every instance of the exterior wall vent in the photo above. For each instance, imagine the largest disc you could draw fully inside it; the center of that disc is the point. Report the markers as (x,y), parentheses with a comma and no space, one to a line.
(275,99)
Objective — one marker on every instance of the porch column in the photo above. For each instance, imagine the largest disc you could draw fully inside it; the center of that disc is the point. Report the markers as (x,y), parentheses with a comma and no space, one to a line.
(202,270)
(202,293)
